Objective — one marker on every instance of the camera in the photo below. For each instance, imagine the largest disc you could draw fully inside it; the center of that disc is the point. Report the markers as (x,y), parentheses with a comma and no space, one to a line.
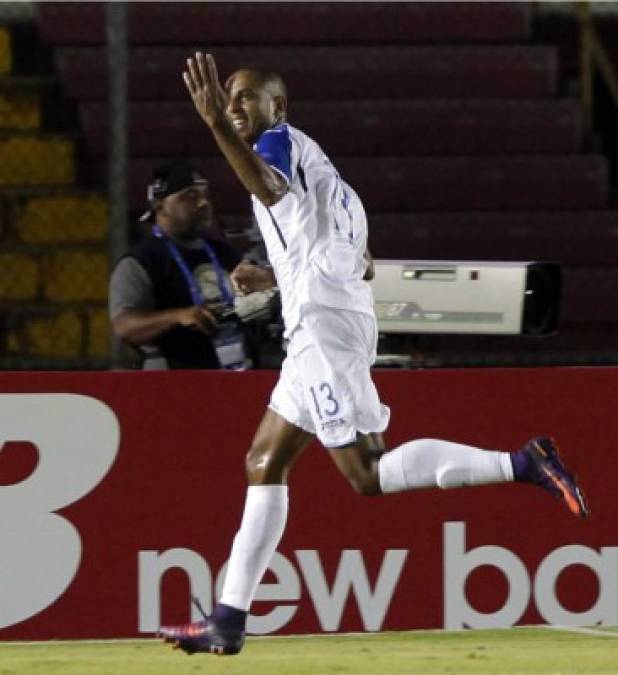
(432,296)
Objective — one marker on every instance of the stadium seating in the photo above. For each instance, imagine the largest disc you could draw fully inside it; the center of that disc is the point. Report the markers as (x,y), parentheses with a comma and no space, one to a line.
(585,238)
(292,23)
(446,117)
(20,112)
(332,72)
(54,283)
(432,183)
(561,29)
(415,127)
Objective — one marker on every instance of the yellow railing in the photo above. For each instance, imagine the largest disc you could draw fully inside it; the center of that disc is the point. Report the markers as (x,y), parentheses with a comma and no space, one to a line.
(592,54)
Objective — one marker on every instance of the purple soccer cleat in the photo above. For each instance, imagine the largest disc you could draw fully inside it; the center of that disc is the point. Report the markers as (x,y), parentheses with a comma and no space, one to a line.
(545,469)
(203,636)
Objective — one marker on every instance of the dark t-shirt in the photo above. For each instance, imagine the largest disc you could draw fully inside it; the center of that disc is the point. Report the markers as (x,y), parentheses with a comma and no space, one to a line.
(148,278)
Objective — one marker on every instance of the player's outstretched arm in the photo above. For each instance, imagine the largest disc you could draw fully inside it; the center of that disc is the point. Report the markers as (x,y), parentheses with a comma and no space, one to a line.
(210,100)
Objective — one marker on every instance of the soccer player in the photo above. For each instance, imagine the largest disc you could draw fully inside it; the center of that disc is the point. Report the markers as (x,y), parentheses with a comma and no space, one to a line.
(315,231)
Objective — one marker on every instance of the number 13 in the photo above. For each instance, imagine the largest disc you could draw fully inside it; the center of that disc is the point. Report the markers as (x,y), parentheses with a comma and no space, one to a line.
(326,392)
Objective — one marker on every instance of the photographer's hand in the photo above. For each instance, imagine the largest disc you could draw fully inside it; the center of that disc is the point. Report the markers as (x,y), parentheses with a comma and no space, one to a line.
(142,326)
(248,278)
(199,317)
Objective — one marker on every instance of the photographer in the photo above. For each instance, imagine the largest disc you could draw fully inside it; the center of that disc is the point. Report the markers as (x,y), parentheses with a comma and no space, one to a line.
(171,297)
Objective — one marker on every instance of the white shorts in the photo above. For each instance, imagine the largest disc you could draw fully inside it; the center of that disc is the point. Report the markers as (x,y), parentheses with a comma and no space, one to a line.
(325,386)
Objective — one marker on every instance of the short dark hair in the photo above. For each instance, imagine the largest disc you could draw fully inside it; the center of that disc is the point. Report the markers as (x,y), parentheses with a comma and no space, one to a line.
(267,77)
(270,77)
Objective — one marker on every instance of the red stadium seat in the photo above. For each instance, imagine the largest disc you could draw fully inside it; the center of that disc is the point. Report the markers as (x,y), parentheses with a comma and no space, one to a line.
(589,295)
(290,23)
(332,72)
(368,127)
(483,183)
(573,238)
(403,184)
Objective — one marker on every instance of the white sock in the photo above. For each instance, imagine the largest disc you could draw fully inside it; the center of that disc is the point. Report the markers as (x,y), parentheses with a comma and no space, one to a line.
(430,463)
(261,529)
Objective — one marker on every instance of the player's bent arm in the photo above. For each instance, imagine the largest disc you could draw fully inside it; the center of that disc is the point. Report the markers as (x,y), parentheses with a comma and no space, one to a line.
(254,173)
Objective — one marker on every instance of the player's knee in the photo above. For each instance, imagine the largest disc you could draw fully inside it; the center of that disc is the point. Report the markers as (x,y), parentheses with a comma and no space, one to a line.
(254,462)
(262,466)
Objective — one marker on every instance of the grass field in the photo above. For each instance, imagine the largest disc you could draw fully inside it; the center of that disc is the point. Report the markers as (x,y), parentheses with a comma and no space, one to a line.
(517,651)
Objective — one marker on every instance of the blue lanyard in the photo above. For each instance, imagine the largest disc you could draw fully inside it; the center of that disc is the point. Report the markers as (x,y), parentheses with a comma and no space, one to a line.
(196,291)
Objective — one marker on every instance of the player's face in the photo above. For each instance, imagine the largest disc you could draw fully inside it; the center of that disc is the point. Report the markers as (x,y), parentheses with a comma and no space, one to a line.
(251,108)
(186,214)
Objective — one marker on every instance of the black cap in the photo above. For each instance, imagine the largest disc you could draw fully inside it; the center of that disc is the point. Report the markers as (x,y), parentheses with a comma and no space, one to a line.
(170,177)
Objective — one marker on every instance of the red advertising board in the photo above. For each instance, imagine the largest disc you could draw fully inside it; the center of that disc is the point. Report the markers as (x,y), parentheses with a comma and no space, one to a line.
(120,494)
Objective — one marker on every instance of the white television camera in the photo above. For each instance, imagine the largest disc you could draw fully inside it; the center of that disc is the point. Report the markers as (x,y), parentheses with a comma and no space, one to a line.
(432,296)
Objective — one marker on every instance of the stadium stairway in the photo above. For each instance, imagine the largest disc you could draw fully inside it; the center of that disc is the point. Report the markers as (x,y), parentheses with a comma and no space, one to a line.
(450,119)
(53,286)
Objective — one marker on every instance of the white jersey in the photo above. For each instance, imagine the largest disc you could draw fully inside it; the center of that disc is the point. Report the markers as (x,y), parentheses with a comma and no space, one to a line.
(316,235)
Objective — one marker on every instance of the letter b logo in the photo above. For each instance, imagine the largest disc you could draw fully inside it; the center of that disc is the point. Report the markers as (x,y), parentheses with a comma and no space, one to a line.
(77,438)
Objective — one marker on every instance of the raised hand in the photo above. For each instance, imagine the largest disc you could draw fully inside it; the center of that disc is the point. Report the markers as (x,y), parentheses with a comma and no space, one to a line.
(207,94)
